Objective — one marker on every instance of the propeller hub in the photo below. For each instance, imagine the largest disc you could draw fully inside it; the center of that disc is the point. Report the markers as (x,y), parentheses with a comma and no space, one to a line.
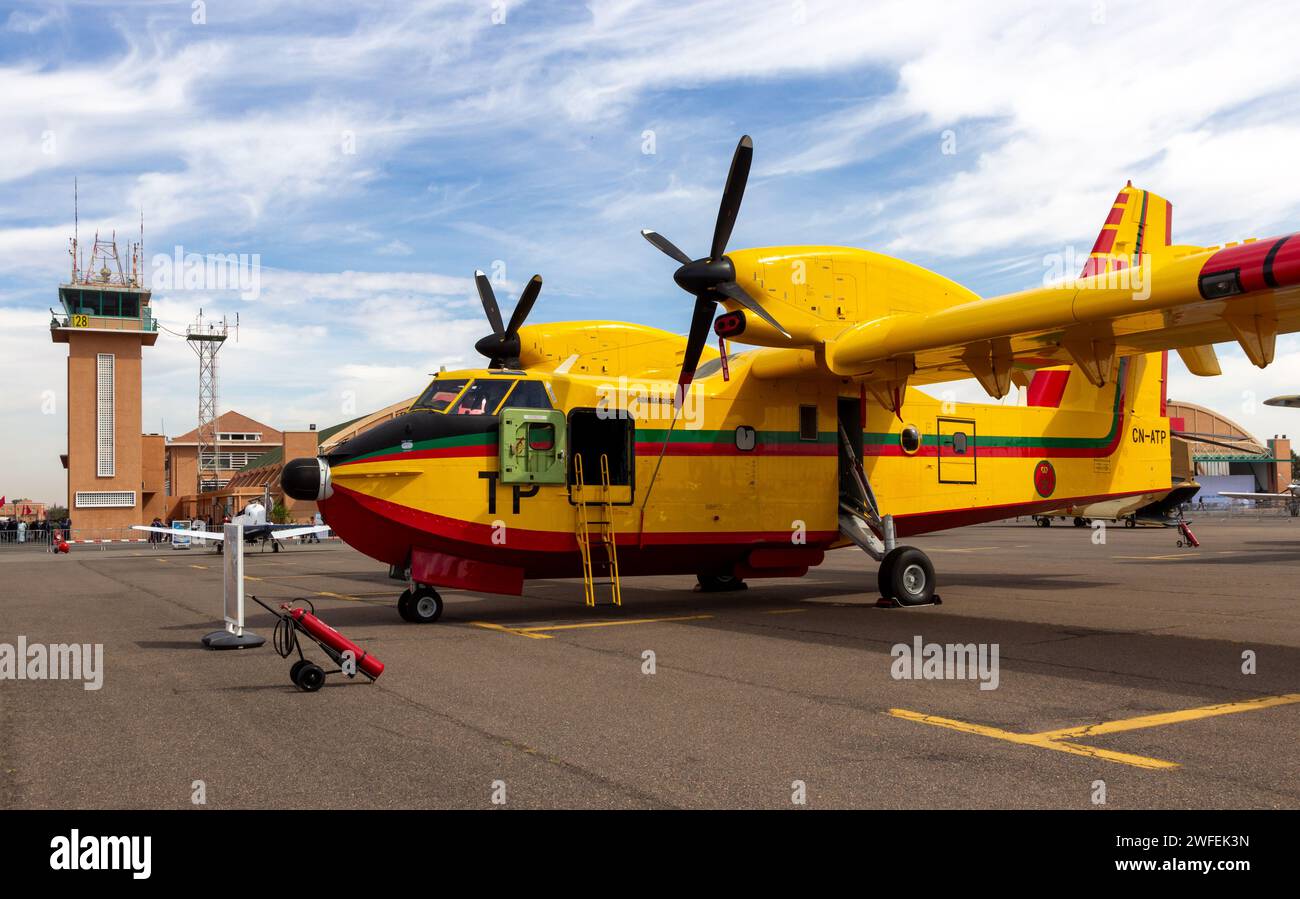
(703,275)
(501,349)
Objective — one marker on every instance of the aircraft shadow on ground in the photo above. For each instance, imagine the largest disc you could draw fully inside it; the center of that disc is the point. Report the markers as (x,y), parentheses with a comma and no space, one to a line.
(1165,662)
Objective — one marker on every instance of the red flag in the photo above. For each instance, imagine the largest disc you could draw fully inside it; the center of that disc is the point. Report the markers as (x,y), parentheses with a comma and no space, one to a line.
(2,500)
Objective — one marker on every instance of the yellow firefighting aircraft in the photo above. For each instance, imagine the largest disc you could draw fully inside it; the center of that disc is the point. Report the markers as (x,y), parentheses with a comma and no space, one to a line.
(568,457)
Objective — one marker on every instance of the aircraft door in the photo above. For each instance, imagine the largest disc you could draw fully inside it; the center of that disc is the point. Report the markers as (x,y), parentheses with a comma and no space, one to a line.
(850,419)
(957,451)
(606,434)
(532,446)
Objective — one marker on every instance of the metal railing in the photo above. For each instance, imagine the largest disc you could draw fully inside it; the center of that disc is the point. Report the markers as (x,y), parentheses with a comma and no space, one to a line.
(144,322)
(32,539)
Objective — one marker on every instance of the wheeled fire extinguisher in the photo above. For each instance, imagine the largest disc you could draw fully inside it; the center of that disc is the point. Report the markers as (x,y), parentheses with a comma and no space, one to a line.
(307,675)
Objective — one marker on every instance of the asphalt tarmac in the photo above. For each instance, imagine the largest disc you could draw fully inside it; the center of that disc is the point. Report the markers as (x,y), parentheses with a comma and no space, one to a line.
(1119,671)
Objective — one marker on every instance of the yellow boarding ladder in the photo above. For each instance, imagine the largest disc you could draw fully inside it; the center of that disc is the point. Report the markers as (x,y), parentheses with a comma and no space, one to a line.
(605,523)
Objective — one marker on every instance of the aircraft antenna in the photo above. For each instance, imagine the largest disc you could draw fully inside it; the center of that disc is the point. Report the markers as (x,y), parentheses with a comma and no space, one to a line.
(654,476)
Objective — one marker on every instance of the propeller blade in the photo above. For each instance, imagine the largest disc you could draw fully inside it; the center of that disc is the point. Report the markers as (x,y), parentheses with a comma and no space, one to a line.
(665,246)
(701,322)
(732,194)
(734,291)
(489,302)
(525,304)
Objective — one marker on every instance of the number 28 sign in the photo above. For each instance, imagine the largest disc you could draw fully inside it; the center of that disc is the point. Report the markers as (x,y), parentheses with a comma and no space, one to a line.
(79,321)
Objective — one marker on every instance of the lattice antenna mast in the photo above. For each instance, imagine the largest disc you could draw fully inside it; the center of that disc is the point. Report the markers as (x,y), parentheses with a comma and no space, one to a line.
(206,339)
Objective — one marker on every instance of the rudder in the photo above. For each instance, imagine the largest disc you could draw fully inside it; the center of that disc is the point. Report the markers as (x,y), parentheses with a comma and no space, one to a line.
(1140,224)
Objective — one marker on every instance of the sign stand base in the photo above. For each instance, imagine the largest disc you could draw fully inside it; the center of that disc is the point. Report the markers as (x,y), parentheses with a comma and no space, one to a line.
(227,640)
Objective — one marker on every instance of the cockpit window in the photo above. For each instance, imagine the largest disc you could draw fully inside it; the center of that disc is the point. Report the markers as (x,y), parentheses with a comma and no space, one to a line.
(438,394)
(529,395)
(481,397)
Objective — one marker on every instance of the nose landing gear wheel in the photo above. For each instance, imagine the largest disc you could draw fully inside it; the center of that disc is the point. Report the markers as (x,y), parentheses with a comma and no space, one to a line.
(906,576)
(720,583)
(422,605)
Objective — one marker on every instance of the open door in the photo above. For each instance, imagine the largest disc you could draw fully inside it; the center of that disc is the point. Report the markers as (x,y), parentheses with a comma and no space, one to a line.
(850,420)
(532,446)
(602,435)
(957,451)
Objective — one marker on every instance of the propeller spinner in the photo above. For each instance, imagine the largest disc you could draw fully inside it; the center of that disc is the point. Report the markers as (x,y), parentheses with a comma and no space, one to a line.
(502,345)
(713,278)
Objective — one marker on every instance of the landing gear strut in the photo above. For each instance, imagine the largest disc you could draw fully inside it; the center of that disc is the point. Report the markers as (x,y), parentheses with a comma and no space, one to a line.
(420,605)
(906,574)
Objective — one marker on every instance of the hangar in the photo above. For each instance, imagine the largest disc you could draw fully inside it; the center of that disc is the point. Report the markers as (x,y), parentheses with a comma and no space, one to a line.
(1227,456)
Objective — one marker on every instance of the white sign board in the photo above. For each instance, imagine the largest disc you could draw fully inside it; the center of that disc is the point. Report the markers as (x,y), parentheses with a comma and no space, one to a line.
(234,572)
(180,541)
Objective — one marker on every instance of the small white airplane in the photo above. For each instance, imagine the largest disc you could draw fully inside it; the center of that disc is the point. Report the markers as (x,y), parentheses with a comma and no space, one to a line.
(1157,508)
(1290,496)
(256,529)
(1290,401)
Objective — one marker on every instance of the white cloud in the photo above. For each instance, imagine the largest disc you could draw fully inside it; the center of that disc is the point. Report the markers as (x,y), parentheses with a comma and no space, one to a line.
(334,139)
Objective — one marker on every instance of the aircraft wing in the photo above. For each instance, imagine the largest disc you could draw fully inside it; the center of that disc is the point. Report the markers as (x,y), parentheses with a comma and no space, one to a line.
(1289,402)
(867,316)
(1203,297)
(1255,495)
(278,533)
(206,535)
(303,531)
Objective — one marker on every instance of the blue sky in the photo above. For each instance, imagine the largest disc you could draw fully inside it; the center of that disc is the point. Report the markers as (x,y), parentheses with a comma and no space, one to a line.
(374,154)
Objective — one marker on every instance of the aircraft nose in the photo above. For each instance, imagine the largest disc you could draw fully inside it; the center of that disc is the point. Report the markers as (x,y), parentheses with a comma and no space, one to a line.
(307,479)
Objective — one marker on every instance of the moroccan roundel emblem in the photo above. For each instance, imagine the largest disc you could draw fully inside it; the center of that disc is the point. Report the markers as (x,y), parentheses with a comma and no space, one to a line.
(1044,478)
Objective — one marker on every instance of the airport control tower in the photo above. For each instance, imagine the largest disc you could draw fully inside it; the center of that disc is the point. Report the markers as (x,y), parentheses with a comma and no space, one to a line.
(105,321)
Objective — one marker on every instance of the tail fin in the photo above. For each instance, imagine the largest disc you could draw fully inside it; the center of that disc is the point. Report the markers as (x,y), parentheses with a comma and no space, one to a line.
(1139,223)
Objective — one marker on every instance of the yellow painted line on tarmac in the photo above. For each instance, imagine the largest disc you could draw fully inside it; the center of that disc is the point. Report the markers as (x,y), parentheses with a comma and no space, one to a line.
(1056,739)
(203,567)
(1042,742)
(784,611)
(286,577)
(538,631)
(1162,718)
(509,630)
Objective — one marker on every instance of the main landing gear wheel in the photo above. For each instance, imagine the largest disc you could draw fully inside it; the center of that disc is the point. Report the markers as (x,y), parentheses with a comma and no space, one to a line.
(1043,522)
(310,677)
(422,605)
(1130,522)
(720,583)
(906,576)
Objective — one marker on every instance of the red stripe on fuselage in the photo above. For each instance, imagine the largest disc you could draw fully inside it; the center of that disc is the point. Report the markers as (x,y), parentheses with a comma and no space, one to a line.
(909,524)
(388,531)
